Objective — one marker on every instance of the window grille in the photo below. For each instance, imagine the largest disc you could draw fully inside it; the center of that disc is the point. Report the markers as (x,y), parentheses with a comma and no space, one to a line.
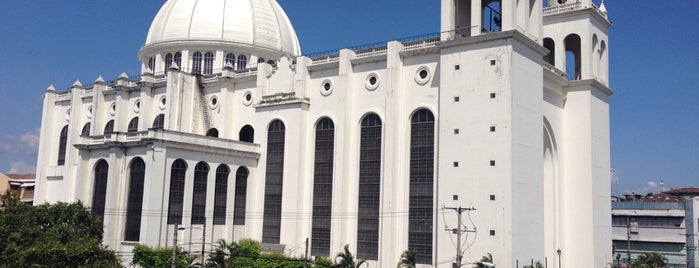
(201,172)
(109,128)
(369,188)
(322,187)
(420,214)
(99,193)
(134,205)
(159,121)
(242,62)
(62,146)
(241,189)
(178,59)
(86,130)
(273,183)
(196,63)
(230,58)
(133,125)
(176,201)
(168,61)
(221,194)
(208,63)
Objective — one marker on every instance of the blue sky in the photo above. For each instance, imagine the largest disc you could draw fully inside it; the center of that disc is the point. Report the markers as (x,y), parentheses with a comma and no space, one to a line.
(654,68)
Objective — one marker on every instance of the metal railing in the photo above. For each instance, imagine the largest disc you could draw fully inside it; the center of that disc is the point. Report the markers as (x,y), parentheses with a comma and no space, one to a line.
(648,205)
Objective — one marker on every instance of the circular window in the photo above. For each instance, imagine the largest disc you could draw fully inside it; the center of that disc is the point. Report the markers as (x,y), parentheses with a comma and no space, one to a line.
(423,75)
(89,112)
(137,106)
(162,102)
(247,98)
(326,87)
(372,81)
(68,115)
(112,108)
(213,102)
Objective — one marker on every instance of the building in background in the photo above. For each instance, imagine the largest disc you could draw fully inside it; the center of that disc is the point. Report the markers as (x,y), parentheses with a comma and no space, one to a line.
(665,223)
(22,185)
(233,133)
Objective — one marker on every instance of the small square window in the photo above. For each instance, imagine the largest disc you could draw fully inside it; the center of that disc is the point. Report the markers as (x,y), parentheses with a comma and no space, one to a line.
(457,99)
(492,128)
(492,62)
(492,163)
(492,232)
(457,67)
(456,131)
(455,197)
(492,197)
(492,95)
(456,164)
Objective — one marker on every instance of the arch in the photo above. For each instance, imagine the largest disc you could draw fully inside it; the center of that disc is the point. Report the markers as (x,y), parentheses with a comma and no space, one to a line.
(242,62)
(168,61)
(573,59)
(241,189)
(151,64)
(322,186)
(369,187)
(221,194)
(62,146)
(99,191)
(196,63)
(550,190)
(133,125)
(176,199)
(421,201)
(274,173)
(86,129)
(201,174)
(134,207)
(230,58)
(178,59)
(213,132)
(551,46)
(159,121)
(247,134)
(208,63)
(109,127)
(260,60)
(491,16)
(595,62)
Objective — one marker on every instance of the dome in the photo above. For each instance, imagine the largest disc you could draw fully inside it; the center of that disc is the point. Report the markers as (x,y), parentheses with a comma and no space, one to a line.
(260,26)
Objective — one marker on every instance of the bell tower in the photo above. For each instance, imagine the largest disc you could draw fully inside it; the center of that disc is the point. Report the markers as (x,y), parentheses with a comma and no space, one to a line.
(465,18)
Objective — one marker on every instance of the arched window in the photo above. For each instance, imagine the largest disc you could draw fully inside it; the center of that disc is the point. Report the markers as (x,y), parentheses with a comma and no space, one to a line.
(159,121)
(175,204)
(551,46)
(221,194)
(99,192)
(242,62)
(230,58)
(213,132)
(603,61)
(151,64)
(247,134)
(260,60)
(133,125)
(595,49)
(273,183)
(323,187)
(196,63)
(201,173)
(178,59)
(369,188)
(573,59)
(86,130)
(134,207)
(241,191)
(62,146)
(420,212)
(492,20)
(109,128)
(208,63)
(168,61)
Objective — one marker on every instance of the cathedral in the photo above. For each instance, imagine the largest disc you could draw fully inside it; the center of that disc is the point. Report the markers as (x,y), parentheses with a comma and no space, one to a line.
(489,136)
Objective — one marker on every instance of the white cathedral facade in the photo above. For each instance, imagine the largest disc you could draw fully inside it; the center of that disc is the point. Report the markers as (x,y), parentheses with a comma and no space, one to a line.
(232,133)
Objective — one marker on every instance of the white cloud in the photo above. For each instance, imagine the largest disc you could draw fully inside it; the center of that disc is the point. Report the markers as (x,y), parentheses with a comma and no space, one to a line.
(30,140)
(651,187)
(21,167)
(26,143)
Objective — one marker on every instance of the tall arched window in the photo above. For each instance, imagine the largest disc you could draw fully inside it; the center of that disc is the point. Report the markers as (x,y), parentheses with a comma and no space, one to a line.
(168,61)
(134,206)
(196,63)
(323,187)
(159,121)
(99,193)
(109,127)
(551,46)
(86,130)
(208,63)
(221,194)
(201,174)
(178,59)
(369,188)
(133,125)
(420,216)
(151,64)
(242,62)
(176,202)
(62,146)
(247,134)
(241,192)
(273,183)
(230,58)
(573,59)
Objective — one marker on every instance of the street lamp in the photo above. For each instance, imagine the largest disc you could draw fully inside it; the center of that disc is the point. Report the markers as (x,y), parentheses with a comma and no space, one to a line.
(559,257)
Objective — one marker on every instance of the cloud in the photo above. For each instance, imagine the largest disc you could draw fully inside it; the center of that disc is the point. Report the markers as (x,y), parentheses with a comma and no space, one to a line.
(25,144)
(30,140)
(651,187)
(21,167)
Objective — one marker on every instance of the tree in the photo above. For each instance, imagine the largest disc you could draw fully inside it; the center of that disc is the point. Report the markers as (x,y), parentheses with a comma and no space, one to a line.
(222,254)
(147,257)
(345,259)
(407,259)
(487,259)
(51,235)
(650,260)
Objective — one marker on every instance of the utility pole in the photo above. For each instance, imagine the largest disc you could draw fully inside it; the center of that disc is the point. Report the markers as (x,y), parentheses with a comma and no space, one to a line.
(174,248)
(305,255)
(458,231)
(203,243)
(628,239)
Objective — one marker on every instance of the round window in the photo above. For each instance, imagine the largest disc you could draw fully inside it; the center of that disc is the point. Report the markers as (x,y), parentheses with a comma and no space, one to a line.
(112,108)
(326,87)
(423,75)
(162,102)
(247,98)
(89,112)
(137,106)
(372,81)
(213,102)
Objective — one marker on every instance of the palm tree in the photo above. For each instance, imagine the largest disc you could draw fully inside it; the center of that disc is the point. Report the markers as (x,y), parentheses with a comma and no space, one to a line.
(222,254)
(485,261)
(346,260)
(407,259)
(650,260)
